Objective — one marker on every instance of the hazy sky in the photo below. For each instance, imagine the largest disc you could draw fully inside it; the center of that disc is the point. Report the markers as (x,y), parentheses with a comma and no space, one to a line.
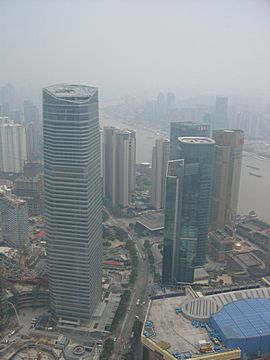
(213,46)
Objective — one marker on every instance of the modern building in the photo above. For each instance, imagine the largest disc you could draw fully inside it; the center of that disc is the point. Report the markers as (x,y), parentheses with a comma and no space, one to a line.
(199,152)
(185,128)
(226,179)
(13,219)
(125,166)
(109,162)
(119,165)
(32,140)
(221,243)
(73,199)
(208,325)
(150,224)
(220,120)
(188,194)
(160,158)
(13,152)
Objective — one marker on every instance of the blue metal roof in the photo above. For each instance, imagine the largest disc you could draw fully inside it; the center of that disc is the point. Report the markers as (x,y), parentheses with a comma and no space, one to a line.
(244,318)
(245,324)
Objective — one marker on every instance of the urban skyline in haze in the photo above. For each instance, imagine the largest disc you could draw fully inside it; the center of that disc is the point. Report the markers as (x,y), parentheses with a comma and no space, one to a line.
(134,179)
(212,47)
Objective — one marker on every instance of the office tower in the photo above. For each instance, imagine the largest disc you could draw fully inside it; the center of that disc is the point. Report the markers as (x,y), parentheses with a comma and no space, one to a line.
(73,199)
(160,157)
(161,107)
(185,128)
(125,166)
(119,165)
(31,113)
(226,179)
(29,187)
(13,218)
(221,114)
(12,146)
(188,194)
(170,102)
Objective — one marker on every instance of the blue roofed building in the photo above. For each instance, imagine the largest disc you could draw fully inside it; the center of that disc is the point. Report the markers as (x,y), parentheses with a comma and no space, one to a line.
(245,324)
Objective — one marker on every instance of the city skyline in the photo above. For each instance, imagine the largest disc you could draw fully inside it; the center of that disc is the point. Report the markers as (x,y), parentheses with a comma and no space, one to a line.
(134,179)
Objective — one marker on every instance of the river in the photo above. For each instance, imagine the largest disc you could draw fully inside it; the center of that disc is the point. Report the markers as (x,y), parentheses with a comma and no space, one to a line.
(254,191)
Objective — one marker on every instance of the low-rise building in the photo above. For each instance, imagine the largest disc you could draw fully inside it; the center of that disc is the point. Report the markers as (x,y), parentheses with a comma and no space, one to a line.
(221,243)
(227,325)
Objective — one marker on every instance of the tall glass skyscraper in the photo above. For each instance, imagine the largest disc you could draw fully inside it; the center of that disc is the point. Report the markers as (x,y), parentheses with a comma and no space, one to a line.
(188,194)
(185,128)
(73,199)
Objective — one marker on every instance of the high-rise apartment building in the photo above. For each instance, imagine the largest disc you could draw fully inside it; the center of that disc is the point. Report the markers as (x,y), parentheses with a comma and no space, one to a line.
(188,194)
(109,162)
(160,157)
(73,199)
(226,179)
(13,219)
(119,164)
(220,120)
(185,128)
(32,141)
(13,152)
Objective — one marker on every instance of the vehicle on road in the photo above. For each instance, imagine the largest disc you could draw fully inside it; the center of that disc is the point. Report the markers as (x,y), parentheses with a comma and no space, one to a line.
(138,302)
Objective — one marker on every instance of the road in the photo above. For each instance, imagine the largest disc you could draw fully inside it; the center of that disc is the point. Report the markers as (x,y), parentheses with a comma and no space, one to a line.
(141,290)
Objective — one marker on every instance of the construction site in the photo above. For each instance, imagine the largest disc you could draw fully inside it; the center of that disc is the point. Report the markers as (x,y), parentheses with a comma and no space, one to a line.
(28,329)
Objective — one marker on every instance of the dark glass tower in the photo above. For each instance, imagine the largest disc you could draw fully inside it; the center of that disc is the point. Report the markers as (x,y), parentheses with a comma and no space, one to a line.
(185,128)
(73,200)
(188,193)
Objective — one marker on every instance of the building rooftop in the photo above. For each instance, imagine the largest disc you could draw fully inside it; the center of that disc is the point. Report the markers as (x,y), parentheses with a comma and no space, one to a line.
(182,332)
(71,92)
(175,330)
(196,140)
(152,222)
(8,251)
(244,318)
(5,193)
(188,124)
